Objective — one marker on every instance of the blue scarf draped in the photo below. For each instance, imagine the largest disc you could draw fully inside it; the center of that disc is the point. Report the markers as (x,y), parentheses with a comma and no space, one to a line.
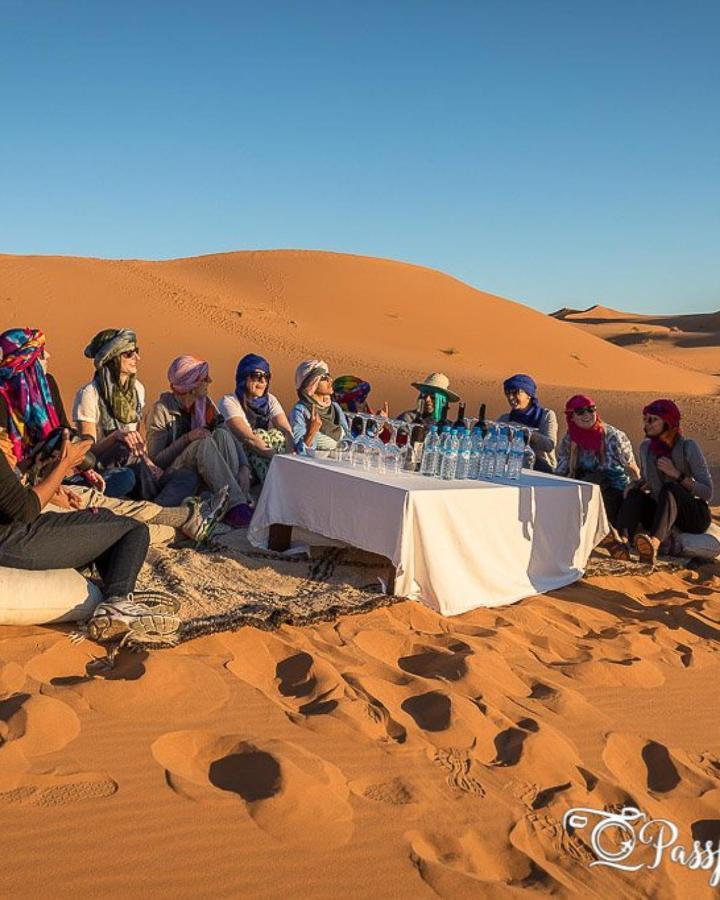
(257,409)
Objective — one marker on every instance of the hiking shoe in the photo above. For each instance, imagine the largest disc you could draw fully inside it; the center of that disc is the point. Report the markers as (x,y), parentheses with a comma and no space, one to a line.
(239,516)
(205,516)
(647,549)
(148,618)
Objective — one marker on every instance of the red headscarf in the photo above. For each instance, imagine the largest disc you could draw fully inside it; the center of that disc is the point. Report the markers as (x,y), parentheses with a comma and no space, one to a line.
(587,438)
(662,444)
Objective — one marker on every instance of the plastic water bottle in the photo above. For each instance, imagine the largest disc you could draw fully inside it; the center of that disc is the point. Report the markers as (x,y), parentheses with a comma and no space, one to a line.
(430,453)
(449,456)
(476,448)
(464,453)
(487,459)
(517,455)
(502,448)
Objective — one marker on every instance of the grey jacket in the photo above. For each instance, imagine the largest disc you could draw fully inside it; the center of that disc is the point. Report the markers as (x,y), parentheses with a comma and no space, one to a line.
(544,440)
(687,457)
(168,425)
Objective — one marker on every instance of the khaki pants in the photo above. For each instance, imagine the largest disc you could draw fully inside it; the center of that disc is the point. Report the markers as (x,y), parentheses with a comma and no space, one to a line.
(215,459)
(140,510)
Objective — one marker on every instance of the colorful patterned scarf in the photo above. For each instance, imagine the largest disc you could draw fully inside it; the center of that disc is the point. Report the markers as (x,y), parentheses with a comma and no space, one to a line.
(23,385)
(351,392)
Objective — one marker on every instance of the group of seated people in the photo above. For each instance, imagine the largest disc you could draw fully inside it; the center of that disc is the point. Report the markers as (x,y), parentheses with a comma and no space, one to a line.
(57,510)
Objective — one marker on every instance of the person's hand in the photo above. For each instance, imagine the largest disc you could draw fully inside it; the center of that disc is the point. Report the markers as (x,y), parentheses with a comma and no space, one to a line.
(96,480)
(243,479)
(665,465)
(384,410)
(314,425)
(198,434)
(72,452)
(155,470)
(66,499)
(132,440)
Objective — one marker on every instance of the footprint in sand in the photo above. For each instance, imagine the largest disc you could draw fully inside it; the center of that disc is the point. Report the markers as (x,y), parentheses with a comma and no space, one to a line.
(446,662)
(36,724)
(466,861)
(288,792)
(646,766)
(458,765)
(431,711)
(58,790)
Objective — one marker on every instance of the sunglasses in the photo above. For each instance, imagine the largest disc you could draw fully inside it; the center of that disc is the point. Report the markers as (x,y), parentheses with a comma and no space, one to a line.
(259,376)
(128,354)
(581,410)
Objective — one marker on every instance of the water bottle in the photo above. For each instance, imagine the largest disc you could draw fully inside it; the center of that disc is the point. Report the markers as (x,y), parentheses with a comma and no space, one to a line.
(431,452)
(465,445)
(449,456)
(487,459)
(476,448)
(502,448)
(517,454)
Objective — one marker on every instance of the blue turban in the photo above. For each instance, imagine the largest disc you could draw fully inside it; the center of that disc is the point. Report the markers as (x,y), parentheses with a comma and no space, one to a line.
(520,383)
(534,412)
(256,408)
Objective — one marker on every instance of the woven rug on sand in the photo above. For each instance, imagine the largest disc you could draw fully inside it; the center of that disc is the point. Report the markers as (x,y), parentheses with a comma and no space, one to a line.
(223,588)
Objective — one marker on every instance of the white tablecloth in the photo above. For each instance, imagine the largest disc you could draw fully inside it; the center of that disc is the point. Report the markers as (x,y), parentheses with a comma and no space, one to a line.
(455,545)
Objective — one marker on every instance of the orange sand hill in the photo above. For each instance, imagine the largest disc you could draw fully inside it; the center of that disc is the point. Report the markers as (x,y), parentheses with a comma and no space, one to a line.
(387,320)
(391,754)
(689,341)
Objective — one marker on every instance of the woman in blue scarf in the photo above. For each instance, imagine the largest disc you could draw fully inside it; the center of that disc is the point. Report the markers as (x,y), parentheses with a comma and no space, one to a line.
(255,416)
(525,409)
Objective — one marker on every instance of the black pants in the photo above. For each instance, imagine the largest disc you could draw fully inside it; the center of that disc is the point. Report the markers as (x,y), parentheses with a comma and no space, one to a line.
(542,466)
(673,506)
(115,544)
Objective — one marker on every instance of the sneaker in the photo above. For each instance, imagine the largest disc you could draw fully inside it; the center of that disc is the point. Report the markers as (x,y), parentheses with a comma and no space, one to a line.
(239,516)
(205,516)
(152,618)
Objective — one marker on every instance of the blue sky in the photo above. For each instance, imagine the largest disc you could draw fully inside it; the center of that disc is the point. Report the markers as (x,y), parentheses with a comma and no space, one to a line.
(560,153)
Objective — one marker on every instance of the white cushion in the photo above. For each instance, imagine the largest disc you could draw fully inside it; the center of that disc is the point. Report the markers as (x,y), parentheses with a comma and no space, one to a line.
(704,546)
(38,598)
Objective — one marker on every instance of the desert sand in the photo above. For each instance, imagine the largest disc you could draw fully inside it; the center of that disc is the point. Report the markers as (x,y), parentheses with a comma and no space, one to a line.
(391,753)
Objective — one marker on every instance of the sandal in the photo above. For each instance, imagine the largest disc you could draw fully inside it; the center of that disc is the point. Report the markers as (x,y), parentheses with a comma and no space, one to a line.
(619,550)
(646,549)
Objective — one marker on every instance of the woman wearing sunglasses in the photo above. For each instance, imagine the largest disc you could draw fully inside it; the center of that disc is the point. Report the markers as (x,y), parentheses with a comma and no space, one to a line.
(255,416)
(592,450)
(676,485)
(109,408)
(317,421)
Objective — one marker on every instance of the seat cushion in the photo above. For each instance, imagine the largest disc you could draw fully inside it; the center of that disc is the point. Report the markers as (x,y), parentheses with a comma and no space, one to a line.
(38,598)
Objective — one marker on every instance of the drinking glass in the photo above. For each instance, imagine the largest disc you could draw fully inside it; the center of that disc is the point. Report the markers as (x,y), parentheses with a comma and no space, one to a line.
(361,445)
(375,447)
(395,455)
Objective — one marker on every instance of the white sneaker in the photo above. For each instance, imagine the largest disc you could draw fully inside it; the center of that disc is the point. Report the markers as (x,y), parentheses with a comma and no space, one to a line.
(151,618)
(205,516)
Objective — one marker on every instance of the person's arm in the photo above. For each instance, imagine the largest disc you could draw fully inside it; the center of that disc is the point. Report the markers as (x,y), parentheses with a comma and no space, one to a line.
(162,450)
(699,482)
(304,429)
(627,456)
(544,439)
(563,459)
(242,430)
(280,421)
(23,505)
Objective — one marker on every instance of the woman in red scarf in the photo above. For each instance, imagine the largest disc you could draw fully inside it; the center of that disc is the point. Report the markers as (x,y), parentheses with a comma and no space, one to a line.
(675,486)
(592,450)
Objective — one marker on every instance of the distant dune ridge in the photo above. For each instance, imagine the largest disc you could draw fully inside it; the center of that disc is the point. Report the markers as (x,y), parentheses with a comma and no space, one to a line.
(690,341)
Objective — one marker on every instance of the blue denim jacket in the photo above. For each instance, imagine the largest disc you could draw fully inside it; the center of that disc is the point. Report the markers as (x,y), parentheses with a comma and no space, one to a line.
(299,418)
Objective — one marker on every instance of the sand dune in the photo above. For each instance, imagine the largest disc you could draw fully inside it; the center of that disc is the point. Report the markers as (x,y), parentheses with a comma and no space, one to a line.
(392,753)
(689,341)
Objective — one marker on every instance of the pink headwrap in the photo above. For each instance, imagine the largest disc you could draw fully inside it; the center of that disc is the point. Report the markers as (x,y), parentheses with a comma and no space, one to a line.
(185,374)
(587,438)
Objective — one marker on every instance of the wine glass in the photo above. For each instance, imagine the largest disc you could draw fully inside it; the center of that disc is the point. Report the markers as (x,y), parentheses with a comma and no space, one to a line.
(395,455)
(529,455)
